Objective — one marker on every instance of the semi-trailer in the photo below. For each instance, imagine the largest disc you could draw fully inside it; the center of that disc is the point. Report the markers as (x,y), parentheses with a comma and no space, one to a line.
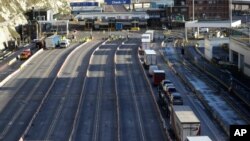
(184,122)
(52,41)
(149,58)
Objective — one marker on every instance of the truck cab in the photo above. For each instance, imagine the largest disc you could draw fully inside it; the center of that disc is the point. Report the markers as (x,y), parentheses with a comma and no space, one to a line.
(176,99)
(25,54)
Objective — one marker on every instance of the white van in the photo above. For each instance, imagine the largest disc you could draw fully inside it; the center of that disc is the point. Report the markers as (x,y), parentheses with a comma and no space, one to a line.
(151,69)
(204,29)
(64,43)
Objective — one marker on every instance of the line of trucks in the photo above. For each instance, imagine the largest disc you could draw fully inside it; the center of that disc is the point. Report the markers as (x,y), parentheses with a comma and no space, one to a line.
(183,121)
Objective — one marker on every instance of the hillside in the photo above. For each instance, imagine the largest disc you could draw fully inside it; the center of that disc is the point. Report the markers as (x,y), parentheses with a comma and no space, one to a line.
(12,14)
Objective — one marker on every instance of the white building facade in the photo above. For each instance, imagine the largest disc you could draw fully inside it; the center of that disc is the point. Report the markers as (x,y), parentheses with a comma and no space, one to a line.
(239,53)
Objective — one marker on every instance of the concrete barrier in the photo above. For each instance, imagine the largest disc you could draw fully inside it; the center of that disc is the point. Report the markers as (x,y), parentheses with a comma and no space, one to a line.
(31,58)
(15,72)
(12,61)
(8,77)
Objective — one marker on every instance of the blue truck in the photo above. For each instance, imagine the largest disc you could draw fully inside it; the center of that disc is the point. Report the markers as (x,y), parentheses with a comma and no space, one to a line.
(52,42)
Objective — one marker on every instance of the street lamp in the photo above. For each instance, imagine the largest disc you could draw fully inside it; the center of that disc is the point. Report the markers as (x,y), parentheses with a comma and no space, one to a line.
(193,10)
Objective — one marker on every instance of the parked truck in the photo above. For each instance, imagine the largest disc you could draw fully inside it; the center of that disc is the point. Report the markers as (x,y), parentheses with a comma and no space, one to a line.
(158,76)
(149,58)
(145,43)
(184,122)
(151,32)
(198,138)
(52,41)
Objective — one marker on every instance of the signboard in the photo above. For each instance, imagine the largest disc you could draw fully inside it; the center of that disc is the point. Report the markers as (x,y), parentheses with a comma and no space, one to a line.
(117,2)
(75,4)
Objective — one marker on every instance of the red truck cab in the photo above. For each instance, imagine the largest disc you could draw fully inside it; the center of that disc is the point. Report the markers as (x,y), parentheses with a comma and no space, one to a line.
(25,54)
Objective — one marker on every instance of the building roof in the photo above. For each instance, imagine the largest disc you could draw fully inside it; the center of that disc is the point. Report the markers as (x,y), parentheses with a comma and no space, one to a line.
(116,15)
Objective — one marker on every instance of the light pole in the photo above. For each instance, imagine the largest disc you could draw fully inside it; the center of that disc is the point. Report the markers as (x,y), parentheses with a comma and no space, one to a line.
(193,10)
(230,12)
(248,35)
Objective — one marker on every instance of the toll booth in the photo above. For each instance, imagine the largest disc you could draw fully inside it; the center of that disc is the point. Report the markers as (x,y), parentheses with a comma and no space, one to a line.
(112,23)
(124,24)
(101,25)
(142,23)
(135,23)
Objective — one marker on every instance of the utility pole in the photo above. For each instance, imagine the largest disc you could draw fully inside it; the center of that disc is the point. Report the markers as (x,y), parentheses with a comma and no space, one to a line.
(230,12)
(193,10)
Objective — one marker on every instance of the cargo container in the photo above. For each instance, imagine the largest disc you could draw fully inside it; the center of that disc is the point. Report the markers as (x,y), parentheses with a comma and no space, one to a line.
(52,41)
(158,76)
(184,122)
(145,43)
(149,58)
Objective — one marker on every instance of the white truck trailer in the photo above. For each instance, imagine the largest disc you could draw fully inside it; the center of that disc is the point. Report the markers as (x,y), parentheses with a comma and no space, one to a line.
(151,32)
(184,122)
(145,43)
(198,138)
(149,58)
(52,41)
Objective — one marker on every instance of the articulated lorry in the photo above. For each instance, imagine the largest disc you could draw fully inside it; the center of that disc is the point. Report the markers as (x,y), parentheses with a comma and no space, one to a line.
(149,58)
(184,122)
(145,43)
(52,41)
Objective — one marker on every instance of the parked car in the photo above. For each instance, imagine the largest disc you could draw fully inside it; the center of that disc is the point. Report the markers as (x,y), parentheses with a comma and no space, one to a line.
(64,43)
